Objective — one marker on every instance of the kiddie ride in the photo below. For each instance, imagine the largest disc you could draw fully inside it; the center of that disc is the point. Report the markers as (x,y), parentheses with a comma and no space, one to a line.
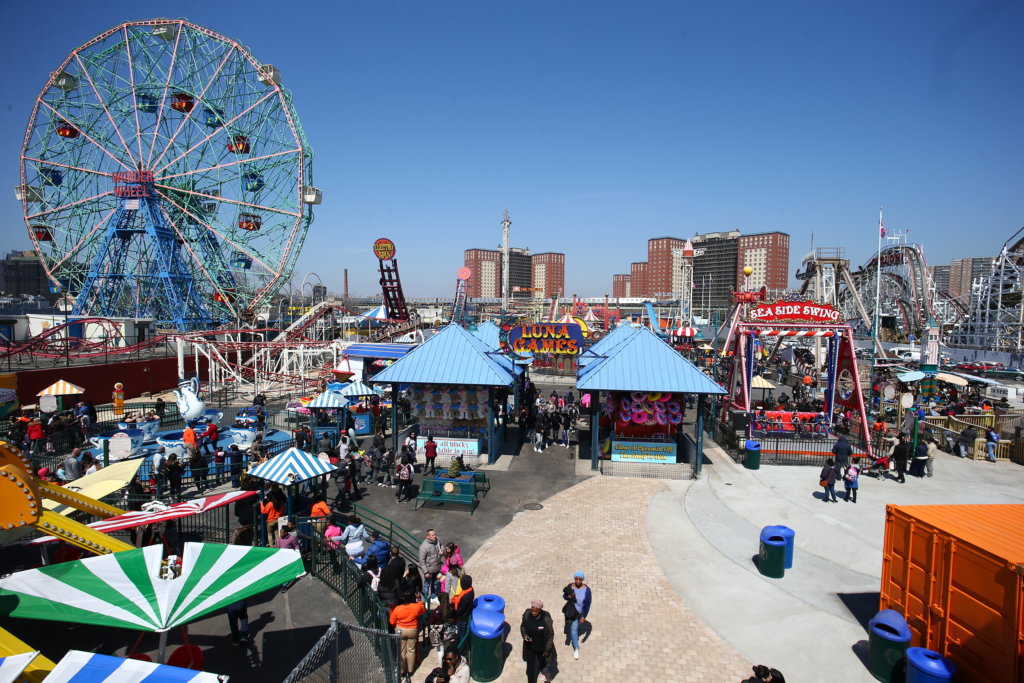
(755,323)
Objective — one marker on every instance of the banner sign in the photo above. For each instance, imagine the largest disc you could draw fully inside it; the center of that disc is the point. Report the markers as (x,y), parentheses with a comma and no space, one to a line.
(643,451)
(451,446)
(384,249)
(564,338)
(795,312)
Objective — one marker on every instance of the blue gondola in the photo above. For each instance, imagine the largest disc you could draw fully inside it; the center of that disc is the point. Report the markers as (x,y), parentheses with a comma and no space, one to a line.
(253,182)
(51,176)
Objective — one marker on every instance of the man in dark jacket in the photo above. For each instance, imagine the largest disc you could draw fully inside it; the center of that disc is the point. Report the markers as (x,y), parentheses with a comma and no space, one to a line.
(842,450)
(900,456)
(390,577)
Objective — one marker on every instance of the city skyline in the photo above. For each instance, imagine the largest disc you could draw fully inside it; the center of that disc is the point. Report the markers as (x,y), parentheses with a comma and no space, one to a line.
(612,122)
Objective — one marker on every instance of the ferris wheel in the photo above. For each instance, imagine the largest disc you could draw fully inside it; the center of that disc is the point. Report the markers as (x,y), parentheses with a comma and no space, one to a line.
(165,175)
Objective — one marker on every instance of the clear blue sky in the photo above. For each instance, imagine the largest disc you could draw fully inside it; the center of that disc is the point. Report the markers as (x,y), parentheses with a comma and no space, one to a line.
(601,124)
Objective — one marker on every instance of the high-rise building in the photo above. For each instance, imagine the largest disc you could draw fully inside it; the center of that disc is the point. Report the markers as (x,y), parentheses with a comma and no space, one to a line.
(520,273)
(714,271)
(940,276)
(767,253)
(22,273)
(548,275)
(664,267)
(485,279)
(964,271)
(620,285)
(638,279)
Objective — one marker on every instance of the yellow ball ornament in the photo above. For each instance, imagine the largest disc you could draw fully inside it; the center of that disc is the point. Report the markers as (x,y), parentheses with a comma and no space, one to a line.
(747,270)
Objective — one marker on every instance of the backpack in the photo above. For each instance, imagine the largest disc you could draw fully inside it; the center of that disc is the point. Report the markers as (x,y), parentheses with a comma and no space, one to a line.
(404,472)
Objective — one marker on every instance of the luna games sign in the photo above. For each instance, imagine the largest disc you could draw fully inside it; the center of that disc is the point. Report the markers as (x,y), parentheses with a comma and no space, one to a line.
(795,312)
(563,338)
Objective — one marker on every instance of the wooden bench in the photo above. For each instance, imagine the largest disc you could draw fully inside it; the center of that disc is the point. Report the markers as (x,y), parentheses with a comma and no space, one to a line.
(432,490)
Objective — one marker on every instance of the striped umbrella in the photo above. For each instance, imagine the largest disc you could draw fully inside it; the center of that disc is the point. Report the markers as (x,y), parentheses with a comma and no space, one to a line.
(685,332)
(125,589)
(61,388)
(78,666)
(292,467)
(356,389)
(12,666)
(328,399)
(130,520)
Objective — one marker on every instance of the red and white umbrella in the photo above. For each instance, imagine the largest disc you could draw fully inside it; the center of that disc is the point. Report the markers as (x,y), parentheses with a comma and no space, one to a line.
(685,332)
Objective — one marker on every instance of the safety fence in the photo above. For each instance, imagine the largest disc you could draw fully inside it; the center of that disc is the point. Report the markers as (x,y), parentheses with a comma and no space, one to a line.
(348,653)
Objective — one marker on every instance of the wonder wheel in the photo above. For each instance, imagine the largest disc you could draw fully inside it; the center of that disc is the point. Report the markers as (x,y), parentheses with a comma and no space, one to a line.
(165,175)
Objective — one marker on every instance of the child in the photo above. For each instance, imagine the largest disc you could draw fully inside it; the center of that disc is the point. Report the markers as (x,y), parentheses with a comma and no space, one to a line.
(850,482)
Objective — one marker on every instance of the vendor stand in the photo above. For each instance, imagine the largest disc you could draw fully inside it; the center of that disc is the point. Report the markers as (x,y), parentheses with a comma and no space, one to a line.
(453,379)
(641,384)
(360,408)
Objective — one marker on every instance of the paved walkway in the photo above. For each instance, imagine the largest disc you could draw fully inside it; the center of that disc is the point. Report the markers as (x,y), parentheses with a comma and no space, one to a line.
(642,630)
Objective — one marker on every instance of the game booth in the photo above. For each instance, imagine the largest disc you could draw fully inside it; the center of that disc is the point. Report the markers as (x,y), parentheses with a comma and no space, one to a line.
(755,335)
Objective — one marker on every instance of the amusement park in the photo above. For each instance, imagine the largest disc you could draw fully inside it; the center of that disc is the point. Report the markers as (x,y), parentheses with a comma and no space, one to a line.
(215,467)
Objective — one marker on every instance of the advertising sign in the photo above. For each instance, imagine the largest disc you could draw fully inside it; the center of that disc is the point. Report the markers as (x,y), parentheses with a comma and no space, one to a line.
(384,249)
(451,446)
(564,338)
(643,451)
(795,312)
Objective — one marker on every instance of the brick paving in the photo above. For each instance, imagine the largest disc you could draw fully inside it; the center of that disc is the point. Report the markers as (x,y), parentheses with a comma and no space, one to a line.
(642,631)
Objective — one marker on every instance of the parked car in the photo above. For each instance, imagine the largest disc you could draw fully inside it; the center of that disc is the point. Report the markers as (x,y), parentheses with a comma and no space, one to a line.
(978,366)
(1005,373)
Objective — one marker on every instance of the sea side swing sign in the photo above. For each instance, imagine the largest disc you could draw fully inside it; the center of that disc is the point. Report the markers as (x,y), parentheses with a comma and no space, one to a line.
(795,312)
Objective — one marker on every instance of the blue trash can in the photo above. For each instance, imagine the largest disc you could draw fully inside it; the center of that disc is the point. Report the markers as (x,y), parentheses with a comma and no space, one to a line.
(926,666)
(790,537)
(486,636)
(771,561)
(493,603)
(888,639)
(752,459)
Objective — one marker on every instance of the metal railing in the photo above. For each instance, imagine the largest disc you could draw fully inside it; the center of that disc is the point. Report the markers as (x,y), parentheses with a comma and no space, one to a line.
(347,651)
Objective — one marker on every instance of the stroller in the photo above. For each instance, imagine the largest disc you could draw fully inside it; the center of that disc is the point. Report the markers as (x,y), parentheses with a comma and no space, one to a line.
(878,467)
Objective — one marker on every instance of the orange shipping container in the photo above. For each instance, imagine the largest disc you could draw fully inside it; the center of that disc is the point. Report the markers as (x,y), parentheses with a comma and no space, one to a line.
(956,572)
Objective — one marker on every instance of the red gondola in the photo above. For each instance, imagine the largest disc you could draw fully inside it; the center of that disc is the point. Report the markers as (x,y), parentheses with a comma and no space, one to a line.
(238,144)
(249,221)
(183,102)
(66,130)
(42,233)
(226,297)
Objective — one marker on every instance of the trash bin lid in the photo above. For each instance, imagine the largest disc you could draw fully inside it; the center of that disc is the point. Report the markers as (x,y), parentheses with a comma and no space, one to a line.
(930,662)
(770,532)
(890,625)
(785,531)
(486,623)
(752,445)
(495,603)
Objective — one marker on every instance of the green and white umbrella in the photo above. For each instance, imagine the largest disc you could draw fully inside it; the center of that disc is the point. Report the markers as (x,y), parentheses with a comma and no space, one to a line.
(126,590)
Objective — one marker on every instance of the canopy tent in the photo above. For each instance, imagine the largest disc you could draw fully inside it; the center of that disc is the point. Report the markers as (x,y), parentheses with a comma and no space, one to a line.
(336,386)
(357,389)
(566,319)
(955,380)
(61,388)
(760,382)
(489,334)
(12,666)
(686,332)
(590,317)
(979,380)
(99,484)
(910,376)
(644,362)
(328,399)
(78,667)
(385,351)
(126,589)
(453,356)
(133,519)
(292,467)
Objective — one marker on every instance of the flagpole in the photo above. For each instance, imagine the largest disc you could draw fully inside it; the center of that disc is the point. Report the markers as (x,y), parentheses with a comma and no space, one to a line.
(874,322)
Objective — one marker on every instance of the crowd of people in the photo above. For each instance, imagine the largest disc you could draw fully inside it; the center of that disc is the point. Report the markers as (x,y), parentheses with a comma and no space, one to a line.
(546,421)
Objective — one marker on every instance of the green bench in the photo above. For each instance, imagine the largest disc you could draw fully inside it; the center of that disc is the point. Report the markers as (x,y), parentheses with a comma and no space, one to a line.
(480,481)
(432,490)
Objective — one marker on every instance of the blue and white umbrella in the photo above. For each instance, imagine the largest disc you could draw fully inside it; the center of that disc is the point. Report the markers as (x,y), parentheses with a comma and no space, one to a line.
(292,467)
(12,666)
(88,666)
(358,388)
(328,399)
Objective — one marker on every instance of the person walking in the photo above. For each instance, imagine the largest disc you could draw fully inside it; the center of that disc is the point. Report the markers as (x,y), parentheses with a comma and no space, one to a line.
(405,474)
(968,435)
(198,467)
(917,466)
(431,558)
(900,456)
(173,471)
(238,620)
(851,483)
(842,450)
(537,631)
(405,617)
(933,449)
(430,453)
(828,480)
(581,597)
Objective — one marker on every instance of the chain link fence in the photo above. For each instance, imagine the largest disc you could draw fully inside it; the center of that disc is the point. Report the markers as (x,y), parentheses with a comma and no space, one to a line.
(347,653)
